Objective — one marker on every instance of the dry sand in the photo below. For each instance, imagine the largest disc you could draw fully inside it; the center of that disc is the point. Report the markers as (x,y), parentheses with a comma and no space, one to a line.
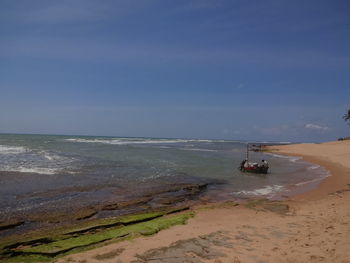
(315,229)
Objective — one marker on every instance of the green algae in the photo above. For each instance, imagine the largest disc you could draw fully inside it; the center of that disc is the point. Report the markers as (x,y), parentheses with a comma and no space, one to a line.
(122,220)
(145,228)
(109,222)
(61,232)
(61,245)
(64,245)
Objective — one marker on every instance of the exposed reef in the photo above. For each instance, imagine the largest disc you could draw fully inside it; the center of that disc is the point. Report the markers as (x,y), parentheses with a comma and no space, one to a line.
(50,233)
(41,246)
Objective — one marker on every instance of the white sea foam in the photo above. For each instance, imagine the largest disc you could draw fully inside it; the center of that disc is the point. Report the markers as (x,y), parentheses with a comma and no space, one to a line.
(309,182)
(23,160)
(267,142)
(265,191)
(322,177)
(290,158)
(37,170)
(5,149)
(313,167)
(123,141)
(51,157)
(198,150)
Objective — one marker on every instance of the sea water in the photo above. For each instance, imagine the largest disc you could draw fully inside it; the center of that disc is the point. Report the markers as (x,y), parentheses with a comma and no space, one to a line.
(38,171)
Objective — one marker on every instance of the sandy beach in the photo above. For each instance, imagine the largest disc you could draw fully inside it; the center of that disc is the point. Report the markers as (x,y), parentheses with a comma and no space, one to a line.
(311,227)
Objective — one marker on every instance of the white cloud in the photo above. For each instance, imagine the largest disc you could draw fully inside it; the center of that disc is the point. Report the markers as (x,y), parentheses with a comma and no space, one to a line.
(316,127)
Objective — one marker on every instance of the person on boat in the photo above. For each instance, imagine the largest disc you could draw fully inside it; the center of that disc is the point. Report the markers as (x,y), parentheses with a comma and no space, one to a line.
(264,163)
(243,164)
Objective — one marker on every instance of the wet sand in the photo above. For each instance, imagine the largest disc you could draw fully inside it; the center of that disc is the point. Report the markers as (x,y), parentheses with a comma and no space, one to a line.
(312,227)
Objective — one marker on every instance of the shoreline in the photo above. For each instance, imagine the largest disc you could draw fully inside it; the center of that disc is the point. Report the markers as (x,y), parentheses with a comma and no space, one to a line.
(339,174)
(254,230)
(310,227)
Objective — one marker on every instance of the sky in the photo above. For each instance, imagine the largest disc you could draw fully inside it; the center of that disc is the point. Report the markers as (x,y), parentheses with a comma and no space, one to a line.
(271,70)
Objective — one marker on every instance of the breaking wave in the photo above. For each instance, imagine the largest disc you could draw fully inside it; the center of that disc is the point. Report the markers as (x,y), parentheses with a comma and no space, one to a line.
(24,160)
(265,191)
(4,149)
(324,175)
(290,158)
(198,150)
(37,170)
(313,167)
(124,141)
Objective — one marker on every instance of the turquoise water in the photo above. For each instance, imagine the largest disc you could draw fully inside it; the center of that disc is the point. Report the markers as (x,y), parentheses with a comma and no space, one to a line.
(58,171)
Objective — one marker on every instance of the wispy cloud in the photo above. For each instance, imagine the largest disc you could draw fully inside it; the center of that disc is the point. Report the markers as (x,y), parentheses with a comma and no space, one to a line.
(313,126)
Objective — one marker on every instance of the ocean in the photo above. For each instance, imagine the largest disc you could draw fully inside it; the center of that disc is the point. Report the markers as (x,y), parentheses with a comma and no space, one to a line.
(60,173)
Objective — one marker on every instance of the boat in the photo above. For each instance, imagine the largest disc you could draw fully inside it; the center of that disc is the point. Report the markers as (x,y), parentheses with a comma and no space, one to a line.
(253,167)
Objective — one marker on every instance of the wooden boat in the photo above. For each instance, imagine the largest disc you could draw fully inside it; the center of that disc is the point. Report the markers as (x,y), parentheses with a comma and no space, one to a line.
(251,167)
(255,168)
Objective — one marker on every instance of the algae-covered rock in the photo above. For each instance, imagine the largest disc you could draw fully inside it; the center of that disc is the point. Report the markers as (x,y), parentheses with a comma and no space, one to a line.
(136,201)
(95,234)
(144,228)
(11,223)
(61,216)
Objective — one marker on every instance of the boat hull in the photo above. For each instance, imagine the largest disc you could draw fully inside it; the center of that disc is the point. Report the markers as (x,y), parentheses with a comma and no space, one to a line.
(256,170)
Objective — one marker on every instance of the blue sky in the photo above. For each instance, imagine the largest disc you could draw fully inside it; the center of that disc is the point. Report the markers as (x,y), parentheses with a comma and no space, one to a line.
(255,70)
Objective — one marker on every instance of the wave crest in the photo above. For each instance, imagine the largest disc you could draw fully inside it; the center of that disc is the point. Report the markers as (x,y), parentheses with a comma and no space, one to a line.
(124,141)
(5,149)
(265,191)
